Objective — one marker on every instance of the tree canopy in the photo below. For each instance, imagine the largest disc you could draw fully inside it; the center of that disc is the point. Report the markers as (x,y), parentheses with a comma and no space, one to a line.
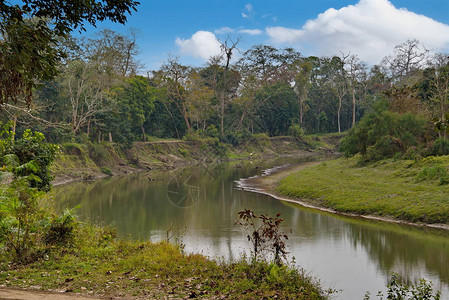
(29,36)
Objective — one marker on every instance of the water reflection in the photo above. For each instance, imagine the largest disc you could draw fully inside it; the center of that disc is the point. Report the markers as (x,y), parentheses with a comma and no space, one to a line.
(347,253)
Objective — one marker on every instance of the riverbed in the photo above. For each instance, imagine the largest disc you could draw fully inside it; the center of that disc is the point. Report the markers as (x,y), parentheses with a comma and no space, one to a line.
(198,207)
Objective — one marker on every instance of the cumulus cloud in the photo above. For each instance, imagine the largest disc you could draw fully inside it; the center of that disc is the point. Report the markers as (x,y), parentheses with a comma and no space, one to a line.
(223,30)
(251,31)
(202,44)
(248,11)
(371,29)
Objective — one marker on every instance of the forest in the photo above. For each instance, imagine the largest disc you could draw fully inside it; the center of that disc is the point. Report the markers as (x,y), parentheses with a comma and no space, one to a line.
(102,93)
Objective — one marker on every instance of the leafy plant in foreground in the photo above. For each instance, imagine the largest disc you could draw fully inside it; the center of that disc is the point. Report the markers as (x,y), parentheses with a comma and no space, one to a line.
(397,290)
(265,234)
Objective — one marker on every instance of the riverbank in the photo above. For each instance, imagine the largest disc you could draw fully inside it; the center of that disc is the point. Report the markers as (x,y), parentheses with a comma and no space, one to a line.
(93,161)
(400,191)
(101,266)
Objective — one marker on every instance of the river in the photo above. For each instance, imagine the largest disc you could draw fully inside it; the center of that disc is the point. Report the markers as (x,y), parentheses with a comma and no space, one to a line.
(198,206)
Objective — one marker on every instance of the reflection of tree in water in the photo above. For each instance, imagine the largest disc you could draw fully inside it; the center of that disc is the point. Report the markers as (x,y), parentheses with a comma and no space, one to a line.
(400,248)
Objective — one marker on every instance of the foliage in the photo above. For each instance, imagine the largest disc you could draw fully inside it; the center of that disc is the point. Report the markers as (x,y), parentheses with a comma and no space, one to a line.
(28,156)
(296,131)
(265,234)
(60,232)
(440,147)
(397,290)
(28,38)
(382,134)
(20,218)
(23,231)
(278,108)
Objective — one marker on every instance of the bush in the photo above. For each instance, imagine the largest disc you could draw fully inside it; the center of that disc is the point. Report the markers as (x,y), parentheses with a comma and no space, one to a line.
(296,131)
(192,135)
(383,134)
(440,147)
(212,131)
(386,147)
(60,231)
(236,138)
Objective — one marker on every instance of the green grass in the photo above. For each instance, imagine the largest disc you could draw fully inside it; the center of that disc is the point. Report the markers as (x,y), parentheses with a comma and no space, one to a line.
(403,189)
(99,264)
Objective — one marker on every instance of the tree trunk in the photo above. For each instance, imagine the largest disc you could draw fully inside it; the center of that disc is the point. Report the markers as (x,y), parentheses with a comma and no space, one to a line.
(338,114)
(353,108)
(144,138)
(110,137)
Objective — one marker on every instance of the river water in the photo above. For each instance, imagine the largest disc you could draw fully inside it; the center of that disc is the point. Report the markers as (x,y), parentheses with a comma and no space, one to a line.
(199,205)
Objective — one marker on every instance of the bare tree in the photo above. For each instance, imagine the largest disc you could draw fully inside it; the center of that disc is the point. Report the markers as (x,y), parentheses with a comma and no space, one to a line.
(406,59)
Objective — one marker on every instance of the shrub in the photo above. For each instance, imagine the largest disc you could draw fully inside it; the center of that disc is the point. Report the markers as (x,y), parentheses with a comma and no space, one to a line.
(440,147)
(383,134)
(192,136)
(60,231)
(296,131)
(236,138)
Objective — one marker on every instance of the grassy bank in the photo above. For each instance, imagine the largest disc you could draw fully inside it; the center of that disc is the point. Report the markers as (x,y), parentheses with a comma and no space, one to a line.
(98,264)
(413,191)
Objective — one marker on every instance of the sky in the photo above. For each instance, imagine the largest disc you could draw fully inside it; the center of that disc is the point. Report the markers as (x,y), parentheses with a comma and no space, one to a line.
(192,30)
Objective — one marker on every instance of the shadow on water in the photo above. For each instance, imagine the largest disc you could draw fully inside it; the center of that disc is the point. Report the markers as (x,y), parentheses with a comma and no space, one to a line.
(352,254)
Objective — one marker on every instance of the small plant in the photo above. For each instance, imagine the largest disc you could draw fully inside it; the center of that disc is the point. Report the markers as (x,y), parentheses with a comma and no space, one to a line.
(265,234)
(60,230)
(397,290)
(106,171)
(175,234)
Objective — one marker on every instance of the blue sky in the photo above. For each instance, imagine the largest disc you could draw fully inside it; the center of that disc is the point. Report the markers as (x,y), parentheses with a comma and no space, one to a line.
(368,28)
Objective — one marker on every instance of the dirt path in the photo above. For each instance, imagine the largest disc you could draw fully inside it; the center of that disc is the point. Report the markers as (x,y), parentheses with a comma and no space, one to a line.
(14,294)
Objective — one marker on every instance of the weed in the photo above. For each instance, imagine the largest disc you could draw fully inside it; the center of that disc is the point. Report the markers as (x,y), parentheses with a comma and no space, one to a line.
(265,234)
(106,171)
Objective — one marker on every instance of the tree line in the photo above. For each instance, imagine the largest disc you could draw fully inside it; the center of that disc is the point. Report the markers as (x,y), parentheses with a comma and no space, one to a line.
(99,95)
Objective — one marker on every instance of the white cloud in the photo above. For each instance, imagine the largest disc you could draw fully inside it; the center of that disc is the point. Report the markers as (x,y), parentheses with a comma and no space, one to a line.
(202,44)
(251,31)
(223,30)
(371,29)
(248,11)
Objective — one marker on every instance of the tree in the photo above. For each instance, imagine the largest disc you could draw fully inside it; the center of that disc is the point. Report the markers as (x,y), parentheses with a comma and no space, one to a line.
(406,59)
(302,85)
(440,89)
(29,33)
(175,77)
(356,72)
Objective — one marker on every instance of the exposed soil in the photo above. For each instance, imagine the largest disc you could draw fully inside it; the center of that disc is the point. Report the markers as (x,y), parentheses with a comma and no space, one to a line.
(7,293)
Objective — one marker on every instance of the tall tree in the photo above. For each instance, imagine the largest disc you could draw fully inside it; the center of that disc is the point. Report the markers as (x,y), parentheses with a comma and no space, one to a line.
(28,38)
